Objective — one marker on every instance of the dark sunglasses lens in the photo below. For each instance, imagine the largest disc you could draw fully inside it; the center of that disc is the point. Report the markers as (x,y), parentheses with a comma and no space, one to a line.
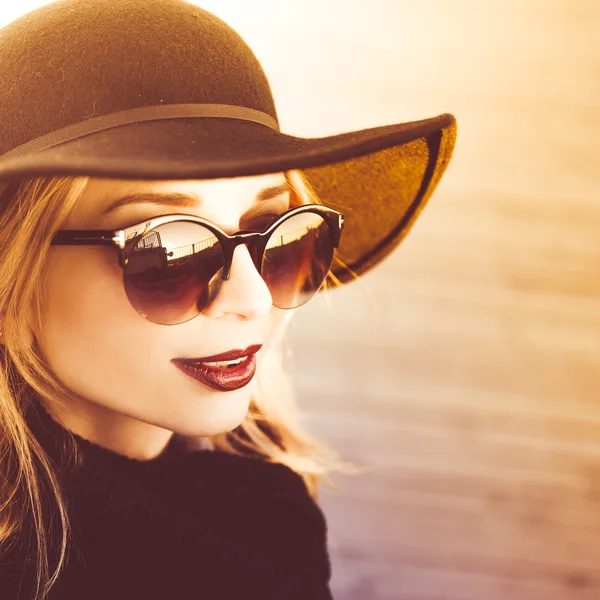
(171,272)
(297,259)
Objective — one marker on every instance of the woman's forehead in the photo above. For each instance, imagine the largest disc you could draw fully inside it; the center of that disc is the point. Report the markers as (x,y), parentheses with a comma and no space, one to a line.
(105,196)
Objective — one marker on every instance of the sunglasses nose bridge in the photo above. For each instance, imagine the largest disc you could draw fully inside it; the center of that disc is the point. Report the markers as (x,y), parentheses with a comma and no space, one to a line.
(252,241)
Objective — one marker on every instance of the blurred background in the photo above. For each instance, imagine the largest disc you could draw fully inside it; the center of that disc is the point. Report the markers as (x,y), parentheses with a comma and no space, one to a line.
(465,370)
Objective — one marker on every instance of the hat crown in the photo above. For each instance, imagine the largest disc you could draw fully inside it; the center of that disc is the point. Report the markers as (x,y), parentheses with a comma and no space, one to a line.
(77,59)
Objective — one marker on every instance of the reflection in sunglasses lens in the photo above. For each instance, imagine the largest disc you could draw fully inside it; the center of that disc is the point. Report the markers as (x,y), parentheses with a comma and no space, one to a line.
(170,270)
(297,259)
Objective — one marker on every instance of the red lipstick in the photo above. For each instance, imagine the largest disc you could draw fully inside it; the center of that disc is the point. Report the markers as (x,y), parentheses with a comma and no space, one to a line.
(223,378)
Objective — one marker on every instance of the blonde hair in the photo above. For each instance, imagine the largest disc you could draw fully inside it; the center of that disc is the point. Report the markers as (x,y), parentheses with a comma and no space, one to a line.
(32,211)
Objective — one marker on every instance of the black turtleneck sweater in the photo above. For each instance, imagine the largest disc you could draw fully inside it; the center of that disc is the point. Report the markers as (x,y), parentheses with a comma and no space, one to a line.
(198,525)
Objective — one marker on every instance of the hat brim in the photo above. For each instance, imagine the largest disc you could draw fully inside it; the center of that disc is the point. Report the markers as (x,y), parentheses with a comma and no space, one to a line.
(379,178)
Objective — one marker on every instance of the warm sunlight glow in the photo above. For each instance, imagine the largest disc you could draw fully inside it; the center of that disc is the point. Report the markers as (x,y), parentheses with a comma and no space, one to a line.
(9,11)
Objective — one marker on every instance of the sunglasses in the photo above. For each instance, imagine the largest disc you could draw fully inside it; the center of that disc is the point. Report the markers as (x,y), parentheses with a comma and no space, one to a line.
(173,265)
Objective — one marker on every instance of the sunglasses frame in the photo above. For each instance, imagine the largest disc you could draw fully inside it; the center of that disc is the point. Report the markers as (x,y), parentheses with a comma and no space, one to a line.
(124,240)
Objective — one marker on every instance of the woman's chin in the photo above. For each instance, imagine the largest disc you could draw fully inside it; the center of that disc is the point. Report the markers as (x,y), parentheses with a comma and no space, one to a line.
(217,415)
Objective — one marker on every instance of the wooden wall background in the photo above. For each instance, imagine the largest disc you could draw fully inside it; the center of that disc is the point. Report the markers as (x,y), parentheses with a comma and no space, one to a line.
(464,371)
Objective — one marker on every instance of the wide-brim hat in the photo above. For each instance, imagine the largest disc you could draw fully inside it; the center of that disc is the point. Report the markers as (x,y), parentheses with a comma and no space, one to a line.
(162,89)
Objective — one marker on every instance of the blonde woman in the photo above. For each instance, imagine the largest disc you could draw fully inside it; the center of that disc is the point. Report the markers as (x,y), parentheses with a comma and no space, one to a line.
(156,232)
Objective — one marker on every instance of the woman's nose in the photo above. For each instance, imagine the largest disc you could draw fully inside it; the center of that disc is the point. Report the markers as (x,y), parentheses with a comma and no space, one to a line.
(244,295)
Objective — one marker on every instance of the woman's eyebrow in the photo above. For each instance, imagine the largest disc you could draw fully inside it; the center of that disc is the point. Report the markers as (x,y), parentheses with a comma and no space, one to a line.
(185,200)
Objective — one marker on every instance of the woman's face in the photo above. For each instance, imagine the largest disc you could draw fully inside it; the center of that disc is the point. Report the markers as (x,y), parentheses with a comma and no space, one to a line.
(119,362)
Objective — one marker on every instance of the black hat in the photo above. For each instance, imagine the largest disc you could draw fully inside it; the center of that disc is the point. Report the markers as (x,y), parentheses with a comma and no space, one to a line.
(161,89)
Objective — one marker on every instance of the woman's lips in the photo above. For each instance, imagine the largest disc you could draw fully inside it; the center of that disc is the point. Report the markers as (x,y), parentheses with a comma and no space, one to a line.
(223,379)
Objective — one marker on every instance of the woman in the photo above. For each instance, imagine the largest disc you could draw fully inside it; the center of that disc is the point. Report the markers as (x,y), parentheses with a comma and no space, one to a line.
(157,230)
